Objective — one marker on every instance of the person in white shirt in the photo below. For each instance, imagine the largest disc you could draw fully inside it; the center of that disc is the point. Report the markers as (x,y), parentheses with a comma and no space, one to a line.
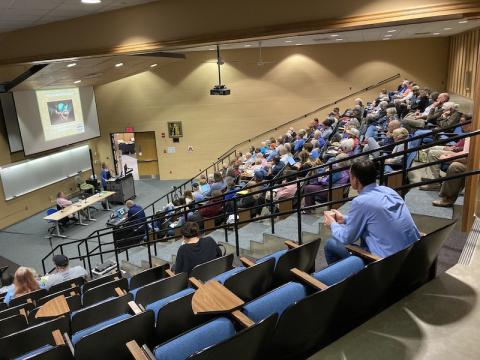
(62,201)
(62,272)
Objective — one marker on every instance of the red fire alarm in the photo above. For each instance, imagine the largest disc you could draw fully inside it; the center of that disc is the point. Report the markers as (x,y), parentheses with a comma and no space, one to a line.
(129,129)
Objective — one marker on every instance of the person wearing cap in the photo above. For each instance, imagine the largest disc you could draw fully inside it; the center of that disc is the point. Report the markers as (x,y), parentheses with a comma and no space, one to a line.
(197,194)
(62,272)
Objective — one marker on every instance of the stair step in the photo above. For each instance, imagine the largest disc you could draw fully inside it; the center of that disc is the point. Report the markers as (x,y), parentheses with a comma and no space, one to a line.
(130,268)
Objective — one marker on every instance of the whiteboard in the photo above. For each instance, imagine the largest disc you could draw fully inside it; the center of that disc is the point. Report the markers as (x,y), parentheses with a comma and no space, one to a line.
(30,175)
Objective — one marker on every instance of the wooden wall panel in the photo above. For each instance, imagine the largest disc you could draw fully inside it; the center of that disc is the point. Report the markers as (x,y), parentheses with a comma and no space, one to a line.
(463,59)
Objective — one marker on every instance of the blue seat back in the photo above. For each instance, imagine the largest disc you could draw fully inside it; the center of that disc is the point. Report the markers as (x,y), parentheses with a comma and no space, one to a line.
(204,336)
(340,270)
(275,301)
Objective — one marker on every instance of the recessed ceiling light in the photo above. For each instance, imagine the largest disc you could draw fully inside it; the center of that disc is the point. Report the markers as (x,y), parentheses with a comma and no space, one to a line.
(77,82)
(248,45)
(387,36)
(386,39)
(393,30)
(91,1)
(298,44)
(153,65)
(334,35)
(288,41)
(463,22)
(72,65)
(211,49)
(436,34)
(119,64)
(339,39)
(447,28)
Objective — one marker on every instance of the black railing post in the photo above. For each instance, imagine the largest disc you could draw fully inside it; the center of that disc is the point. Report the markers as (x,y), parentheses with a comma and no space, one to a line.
(235,225)
(117,260)
(99,246)
(225,216)
(404,167)
(299,212)
(149,254)
(88,259)
(330,185)
(272,209)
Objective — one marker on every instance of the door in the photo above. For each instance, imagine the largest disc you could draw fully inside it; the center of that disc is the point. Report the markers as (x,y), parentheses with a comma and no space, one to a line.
(146,150)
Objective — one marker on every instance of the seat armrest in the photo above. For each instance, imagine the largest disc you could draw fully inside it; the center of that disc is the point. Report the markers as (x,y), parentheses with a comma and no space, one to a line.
(134,307)
(243,319)
(195,282)
(137,352)
(358,251)
(58,338)
(169,272)
(246,262)
(291,244)
(308,279)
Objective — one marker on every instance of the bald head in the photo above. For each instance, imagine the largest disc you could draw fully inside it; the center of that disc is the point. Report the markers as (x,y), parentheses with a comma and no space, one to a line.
(443,97)
(394,124)
(129,203)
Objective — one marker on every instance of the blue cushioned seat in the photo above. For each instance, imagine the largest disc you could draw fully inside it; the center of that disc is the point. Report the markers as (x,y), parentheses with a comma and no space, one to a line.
(82,333)
(195,340)
(38,351)
(339,270)
(135,291)
(227,274)
(275,255)
(275,301)
(157,305)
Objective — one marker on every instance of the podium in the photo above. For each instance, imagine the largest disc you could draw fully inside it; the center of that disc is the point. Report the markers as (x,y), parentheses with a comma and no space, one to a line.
(124,187)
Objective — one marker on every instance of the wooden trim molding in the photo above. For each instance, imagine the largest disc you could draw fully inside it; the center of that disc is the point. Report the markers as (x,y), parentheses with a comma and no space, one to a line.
(417,14)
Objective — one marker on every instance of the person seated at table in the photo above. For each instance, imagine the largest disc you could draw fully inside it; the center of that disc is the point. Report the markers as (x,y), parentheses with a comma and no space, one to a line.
(135,214)
(195,250)
(62,272)
(378,217)
(24,282)
(62,203)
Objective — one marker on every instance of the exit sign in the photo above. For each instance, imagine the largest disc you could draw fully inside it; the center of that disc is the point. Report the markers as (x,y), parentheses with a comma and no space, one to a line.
(129,129)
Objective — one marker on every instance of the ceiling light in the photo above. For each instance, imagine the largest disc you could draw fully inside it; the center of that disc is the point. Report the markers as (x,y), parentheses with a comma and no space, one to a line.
(153,65)
(463,22)
(77,82)
(298,44)
(447,28)
(119,64)
(339,39)
(436,34)
(288,41)
(334,35)
(91,1)
(393,30)
(248,45)
(72,65)
(386,39)
(387,36)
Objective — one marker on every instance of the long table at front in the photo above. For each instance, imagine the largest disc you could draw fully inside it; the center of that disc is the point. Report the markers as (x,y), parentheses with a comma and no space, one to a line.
(75,208)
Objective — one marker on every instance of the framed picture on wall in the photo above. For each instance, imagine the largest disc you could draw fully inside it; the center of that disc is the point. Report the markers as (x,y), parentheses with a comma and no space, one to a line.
(175,129)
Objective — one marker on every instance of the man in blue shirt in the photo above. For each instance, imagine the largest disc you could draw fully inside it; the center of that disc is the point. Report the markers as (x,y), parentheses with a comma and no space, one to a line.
(378,217)
(135,214)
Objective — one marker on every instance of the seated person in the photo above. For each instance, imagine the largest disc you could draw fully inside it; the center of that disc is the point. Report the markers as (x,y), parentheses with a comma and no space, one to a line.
(213,208)
(327,128)
(195,250)
(311,190)
(204,185)
(218,184)
(395,163)
(277,166)
(197,193)
(24,282)
(62,272)
(450,189)
(373,144)
(378,217)
(135,214)
(443,152)
(62,201)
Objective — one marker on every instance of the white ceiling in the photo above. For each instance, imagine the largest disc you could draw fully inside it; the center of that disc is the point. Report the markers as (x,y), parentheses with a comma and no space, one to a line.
(411,31)
(18,14)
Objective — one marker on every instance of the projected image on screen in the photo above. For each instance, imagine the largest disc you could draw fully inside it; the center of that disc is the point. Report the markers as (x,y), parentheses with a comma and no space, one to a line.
(61,112)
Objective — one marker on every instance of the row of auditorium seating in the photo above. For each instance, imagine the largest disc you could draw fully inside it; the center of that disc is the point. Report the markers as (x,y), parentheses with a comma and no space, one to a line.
(316,308)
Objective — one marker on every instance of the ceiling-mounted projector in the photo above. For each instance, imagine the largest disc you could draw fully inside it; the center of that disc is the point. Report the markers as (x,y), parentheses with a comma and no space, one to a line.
(220,90)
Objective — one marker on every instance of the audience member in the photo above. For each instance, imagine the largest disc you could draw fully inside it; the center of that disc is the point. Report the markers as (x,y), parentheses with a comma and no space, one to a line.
(135,214)
(195,250)
(378,217)
(62,272)
(24,282)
